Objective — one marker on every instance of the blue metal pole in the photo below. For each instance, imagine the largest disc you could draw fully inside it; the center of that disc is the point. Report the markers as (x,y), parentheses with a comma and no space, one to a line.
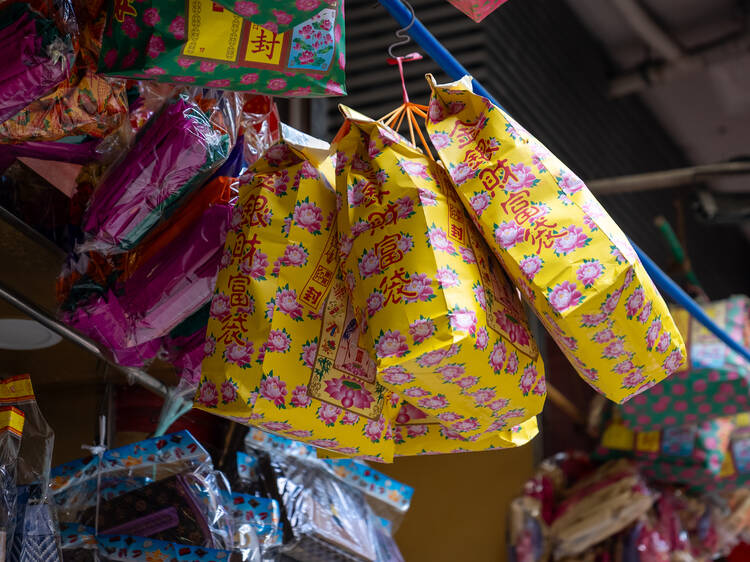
(455,70)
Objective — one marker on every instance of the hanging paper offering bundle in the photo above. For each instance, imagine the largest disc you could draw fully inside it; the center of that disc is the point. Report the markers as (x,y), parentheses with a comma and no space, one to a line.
(445,327)
(171,157)
(36,57)
(300,53)
(574,265)
(267,319)
(477,9)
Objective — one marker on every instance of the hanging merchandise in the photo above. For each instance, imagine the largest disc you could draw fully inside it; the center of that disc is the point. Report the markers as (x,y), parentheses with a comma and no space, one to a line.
(36,535)
(37,56)
(262,515)
(198,42)
(477,9)
(11,430)
(446,328)
(716,383)
(263,336)
(170,158)
(574,265)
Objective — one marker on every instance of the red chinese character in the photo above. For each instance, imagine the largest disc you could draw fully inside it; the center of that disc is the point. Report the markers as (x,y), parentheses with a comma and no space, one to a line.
(482,151)
(322,276)
(331,251)
(372,193)
(528,213)
(516,202)
(388,251)
(457,232)
(123,8)
(381,220)
(543,234)
(265,42)
(312,296)
(238,291)
(232,328)
(241,249)
(394,287)
(257,206)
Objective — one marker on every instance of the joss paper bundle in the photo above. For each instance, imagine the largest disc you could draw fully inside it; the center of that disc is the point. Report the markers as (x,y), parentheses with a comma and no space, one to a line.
(171,157)
(267,317)
(576,268)
(36,57)
(444,325)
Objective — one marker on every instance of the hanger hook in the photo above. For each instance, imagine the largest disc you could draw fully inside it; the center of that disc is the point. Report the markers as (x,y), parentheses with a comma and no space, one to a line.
(401,34)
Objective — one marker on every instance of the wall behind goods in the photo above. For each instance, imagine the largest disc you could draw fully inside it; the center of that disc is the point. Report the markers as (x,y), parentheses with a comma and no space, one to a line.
(460,505)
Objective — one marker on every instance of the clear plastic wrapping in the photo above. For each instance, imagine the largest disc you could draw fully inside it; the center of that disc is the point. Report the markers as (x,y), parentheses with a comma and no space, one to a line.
(11,428)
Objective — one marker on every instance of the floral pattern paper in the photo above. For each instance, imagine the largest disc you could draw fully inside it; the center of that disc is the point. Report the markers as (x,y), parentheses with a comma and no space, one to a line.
(445,328)
(572,263)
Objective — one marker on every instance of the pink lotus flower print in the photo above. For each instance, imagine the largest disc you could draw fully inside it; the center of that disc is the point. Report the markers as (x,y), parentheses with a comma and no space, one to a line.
(208,395)
(349,418)
(633,379)
(458,106)
(653,333)
(421,329)
(563,296)
(593,320)
(499,404)
(151,17)
(497,356)
(345,245)
(408,413)
(480,201)
(328,414)
(374,429)
(295,255)
(467,255)
(129,27)
(308,216)
(451,371)
(309,351)
(375,302)
(614,349)
(569,182)
(245,9)
(466,382)
(591,374)
(449,417)
(155,71)
(418,289)
(415,392)
(427,198)
(437,402)
(278,341)
(350,393)
(479,296)
(300,398)
(483,396)
(440,140)
(369,264)
(396,375)
(541,387)
(508,234)
(528,379)
(463,320)
(447,277)
(511,367)
(220,308)
(417,430)
(209,347)
(603,336)
(286,302)
(272,388)
(617,254)
(391,344)
(450,434)
(673,362)
(645,313)
(276,426)
(237,354)
(573,239)
(435,112)
(464,426)
(324,443)
(406,244)
(431,358)
(177,27)
(155,46)
(588,272)
(276,84)
(482,338)
(664,340)
(256,266)
(207,67)
(531,265)
(461,172)
(404,207)
(414,169)
(525,179)
(623,367)
(250,78)
(307,5)
(634,302)
(439,240)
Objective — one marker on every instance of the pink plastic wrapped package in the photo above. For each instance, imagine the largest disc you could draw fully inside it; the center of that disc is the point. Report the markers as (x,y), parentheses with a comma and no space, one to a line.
(477,9)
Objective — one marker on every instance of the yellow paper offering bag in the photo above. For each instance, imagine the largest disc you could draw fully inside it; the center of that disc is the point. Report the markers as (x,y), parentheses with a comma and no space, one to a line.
(445,327)
(267,314)
(574,265)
